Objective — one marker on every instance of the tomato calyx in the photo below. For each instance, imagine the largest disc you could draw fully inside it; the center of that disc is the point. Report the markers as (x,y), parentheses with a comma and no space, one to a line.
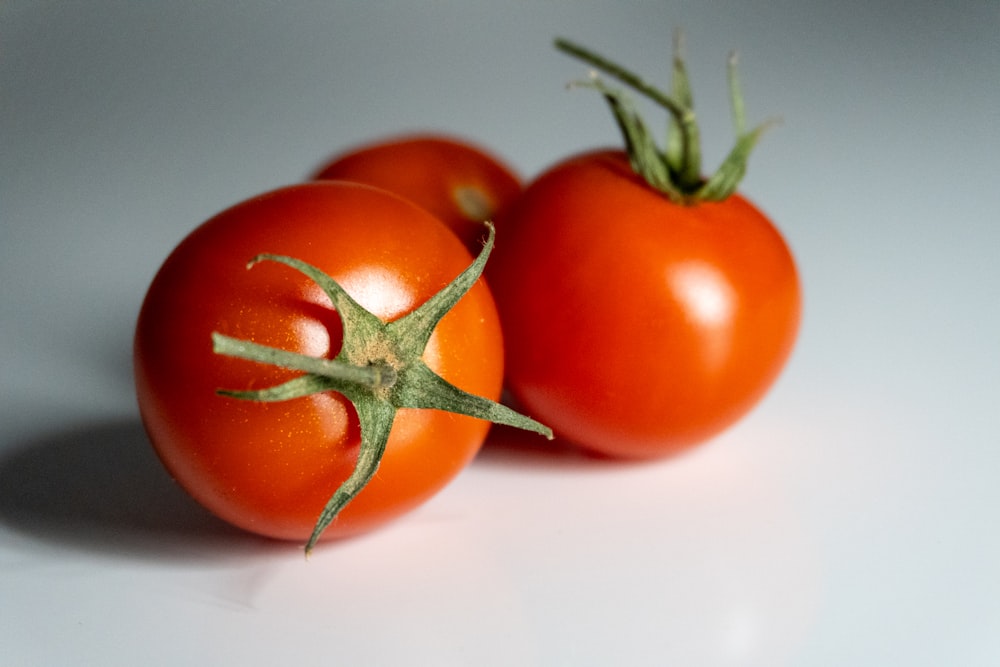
(379,369)
(473,202)
(674,170)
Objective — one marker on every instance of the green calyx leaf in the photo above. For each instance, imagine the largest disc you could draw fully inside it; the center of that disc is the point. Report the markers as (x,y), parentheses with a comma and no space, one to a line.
(675,170)
(379,369)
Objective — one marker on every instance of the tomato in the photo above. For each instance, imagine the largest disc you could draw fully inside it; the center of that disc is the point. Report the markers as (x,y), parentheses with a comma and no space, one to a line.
(645,307)
(460,183)
(270,468)
(636,326)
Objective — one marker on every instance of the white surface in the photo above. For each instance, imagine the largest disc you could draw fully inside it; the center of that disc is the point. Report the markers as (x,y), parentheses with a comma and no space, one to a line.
(850,520)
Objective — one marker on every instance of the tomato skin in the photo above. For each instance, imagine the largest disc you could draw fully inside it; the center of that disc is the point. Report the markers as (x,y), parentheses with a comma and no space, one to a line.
(634,326)
(460,183)
(271,467)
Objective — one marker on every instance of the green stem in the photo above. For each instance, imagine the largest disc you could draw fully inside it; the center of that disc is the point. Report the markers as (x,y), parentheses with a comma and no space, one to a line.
(376,418)
(374,376)
(674,171)
(627,77)
(379,369)
(736,94)
(689,167)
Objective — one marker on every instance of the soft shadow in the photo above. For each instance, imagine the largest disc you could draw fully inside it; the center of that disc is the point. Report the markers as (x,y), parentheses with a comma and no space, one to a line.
(511,447)
(100,487)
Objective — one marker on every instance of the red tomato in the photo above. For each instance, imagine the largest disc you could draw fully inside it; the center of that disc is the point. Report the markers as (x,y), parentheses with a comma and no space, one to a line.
(635,326)
(460,183)
(271,467)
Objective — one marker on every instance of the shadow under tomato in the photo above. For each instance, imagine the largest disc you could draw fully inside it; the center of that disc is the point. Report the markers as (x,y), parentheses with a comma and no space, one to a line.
(100,487)
(511,447)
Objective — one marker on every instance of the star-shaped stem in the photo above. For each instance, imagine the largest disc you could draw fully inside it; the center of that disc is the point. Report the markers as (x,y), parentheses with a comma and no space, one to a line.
(379,369)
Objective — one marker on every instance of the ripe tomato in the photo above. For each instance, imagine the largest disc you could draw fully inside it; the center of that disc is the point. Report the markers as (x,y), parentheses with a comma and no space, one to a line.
(271,467)
(636,326)
(460,183)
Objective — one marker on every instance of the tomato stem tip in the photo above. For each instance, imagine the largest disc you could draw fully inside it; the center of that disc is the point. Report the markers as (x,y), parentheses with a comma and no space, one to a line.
(675,169)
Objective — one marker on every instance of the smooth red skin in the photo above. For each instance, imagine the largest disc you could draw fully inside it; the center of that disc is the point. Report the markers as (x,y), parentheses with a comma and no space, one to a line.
(270,468)
(600,281)
(430,170)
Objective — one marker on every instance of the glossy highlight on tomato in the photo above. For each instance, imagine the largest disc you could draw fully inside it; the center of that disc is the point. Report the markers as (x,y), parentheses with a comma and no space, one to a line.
(636,326)
(460,182)
(271,467)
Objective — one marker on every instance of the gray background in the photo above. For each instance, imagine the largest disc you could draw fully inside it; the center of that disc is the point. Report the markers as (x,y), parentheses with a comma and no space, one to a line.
(850,520)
